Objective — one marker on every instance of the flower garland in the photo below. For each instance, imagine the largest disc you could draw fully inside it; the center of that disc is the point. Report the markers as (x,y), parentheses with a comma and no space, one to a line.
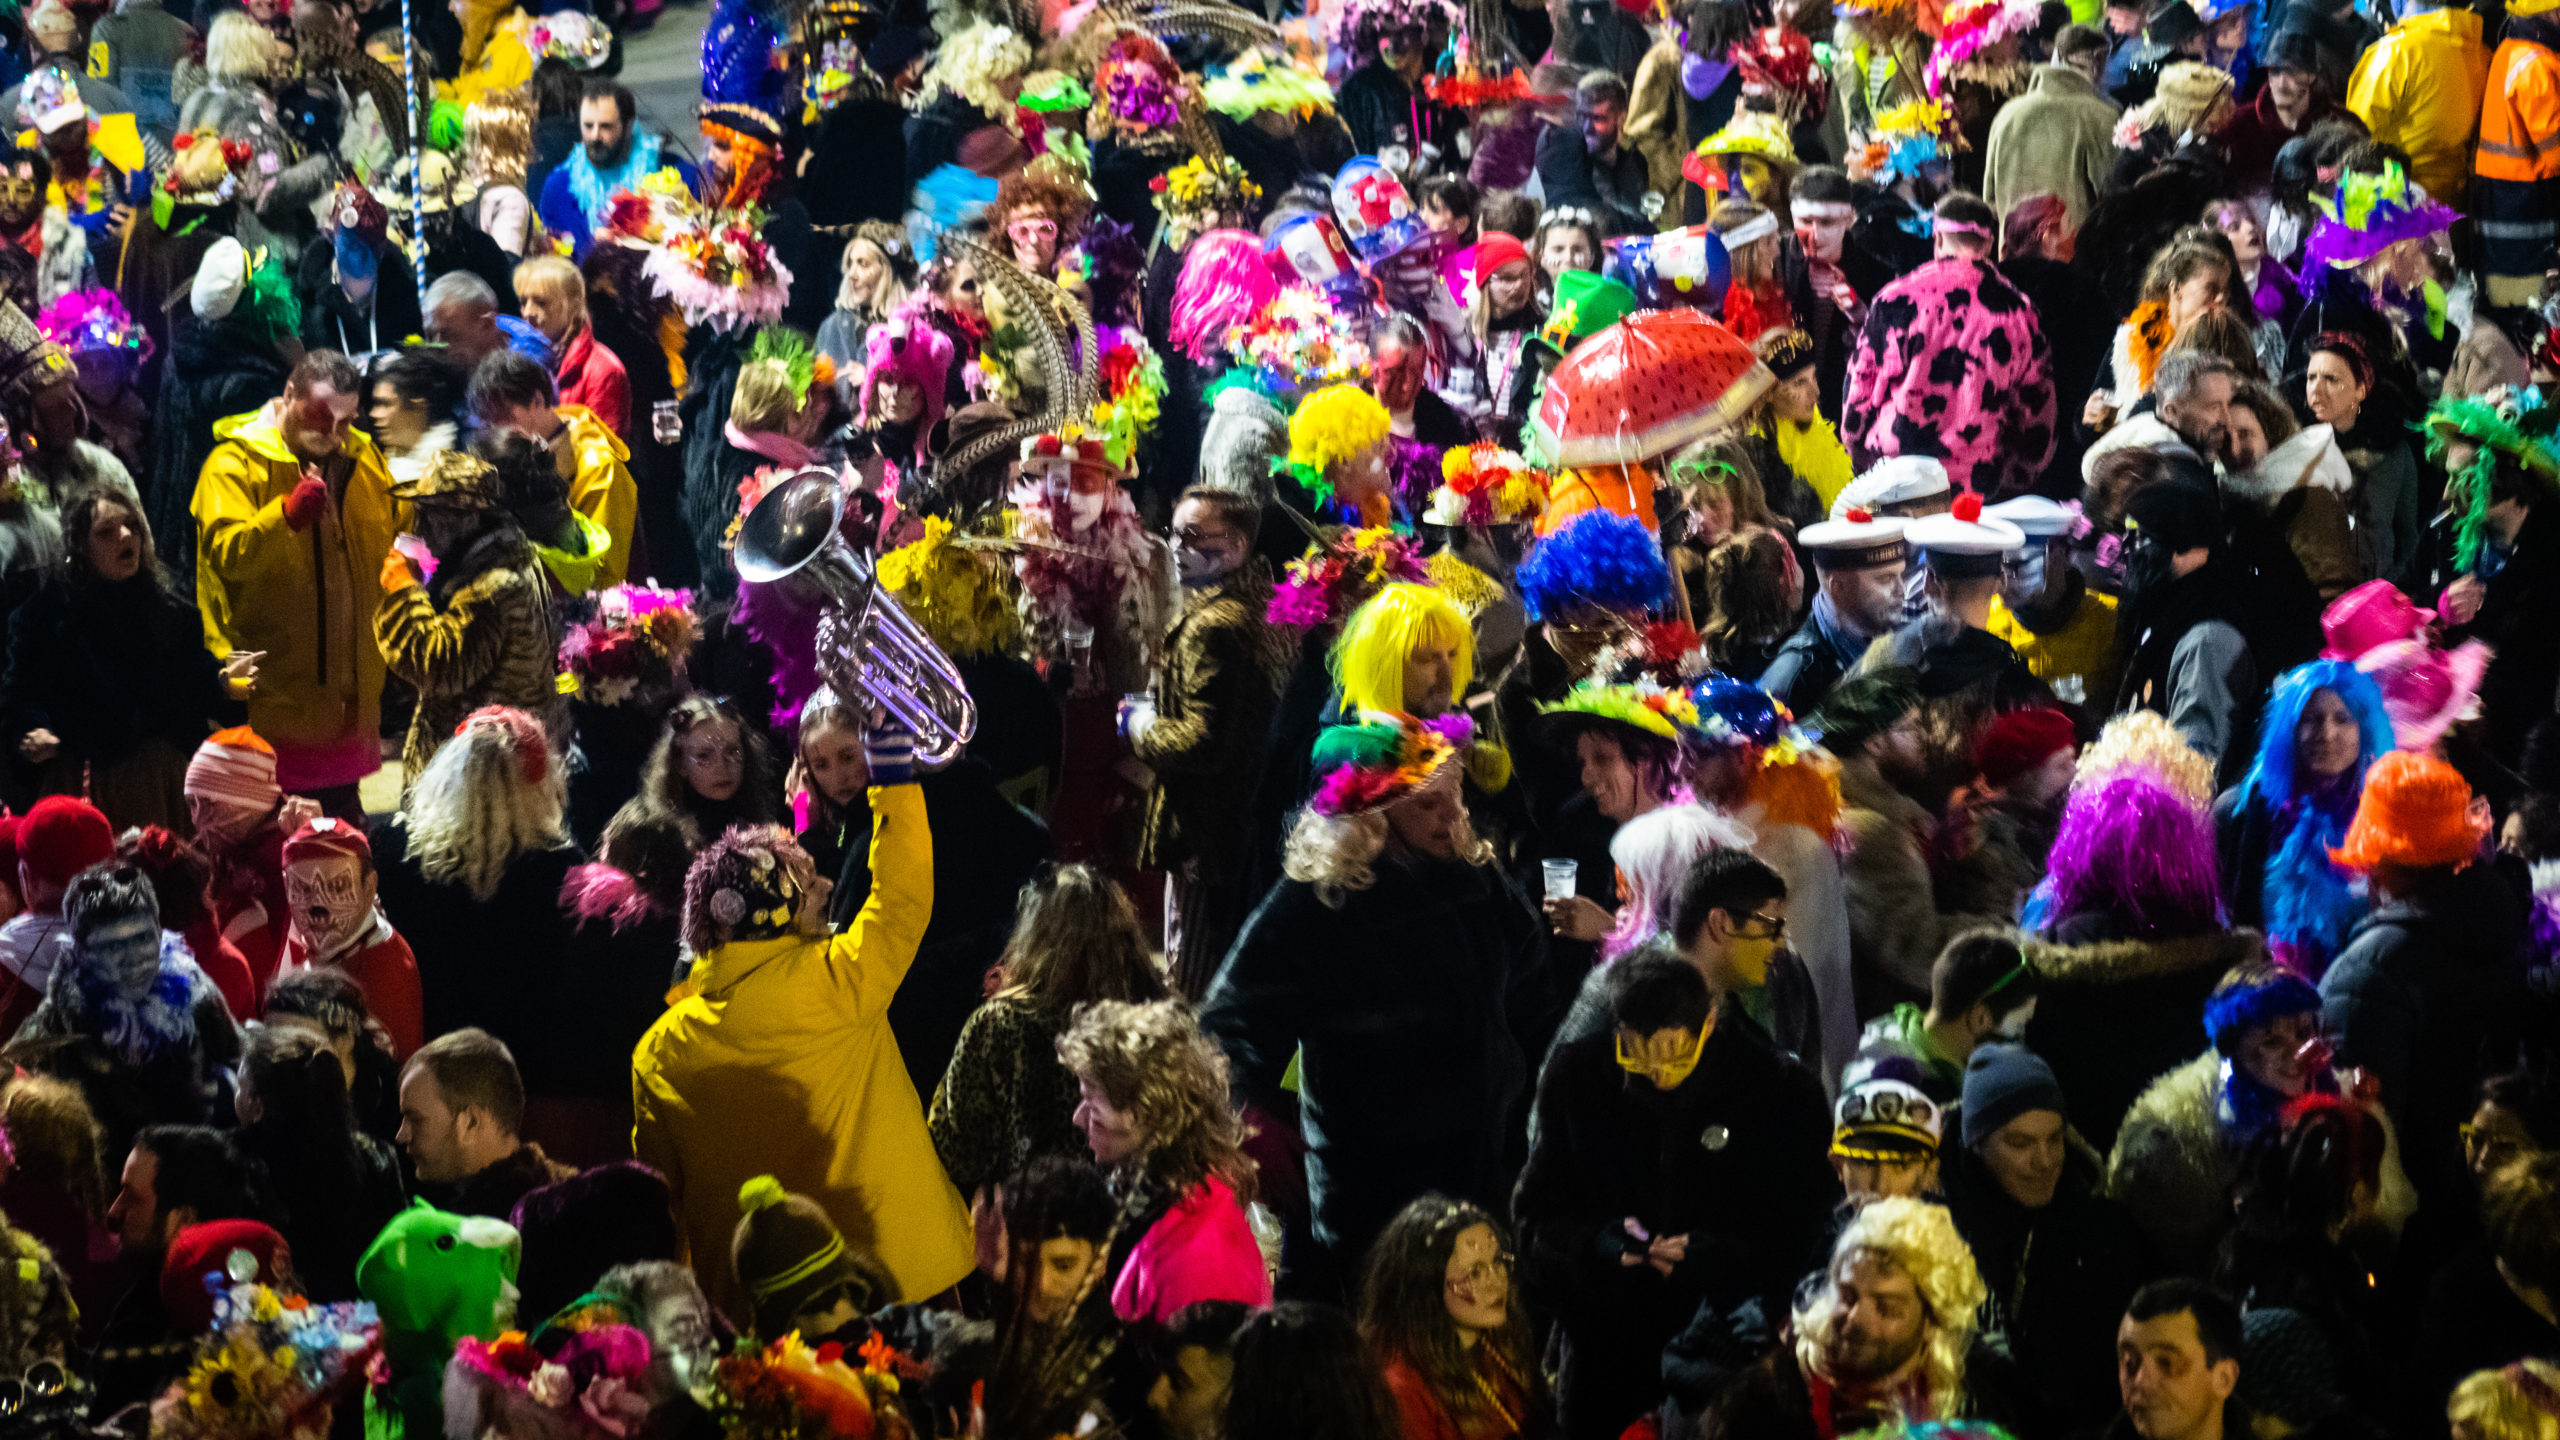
(790,1391)
(1483,484)
(595,1382)
(1190,193)
(634,636)
(1298,342)
(716,267)
(1342,570)
(270,1367)
(1133,390)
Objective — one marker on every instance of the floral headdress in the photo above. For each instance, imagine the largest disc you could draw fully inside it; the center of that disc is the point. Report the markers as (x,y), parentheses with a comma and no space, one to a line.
(1648,707)
(789,1391)
(1139,86)
(1258,80)
(1340,571)
(594,1383)
(1382,759)
(1778,62)
(1666,653)
(93,321)
(1299,341)
(1133,389)
(716,267)
(1907,139)
(2490,423)
(1483,484)
(273,1365)
(1972,27)
(2364,215)
(204,170)
(572,37)
(635,638)
(1191,193)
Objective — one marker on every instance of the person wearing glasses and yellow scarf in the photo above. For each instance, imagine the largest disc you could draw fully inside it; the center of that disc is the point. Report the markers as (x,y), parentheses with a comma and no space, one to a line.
(1676,1159)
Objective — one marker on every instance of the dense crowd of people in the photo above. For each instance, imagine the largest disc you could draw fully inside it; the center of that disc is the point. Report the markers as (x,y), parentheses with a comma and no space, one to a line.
(1730,721)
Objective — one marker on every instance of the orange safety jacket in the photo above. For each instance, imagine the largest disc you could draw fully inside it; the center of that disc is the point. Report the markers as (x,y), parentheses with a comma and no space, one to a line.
(2520,118)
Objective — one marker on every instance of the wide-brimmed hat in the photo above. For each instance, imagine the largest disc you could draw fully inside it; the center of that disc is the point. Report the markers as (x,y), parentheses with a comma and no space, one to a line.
(2416,813)
(455,480)
(2365,214)
(1664,714)
(2425,690)
(1381,759)
(2372,614)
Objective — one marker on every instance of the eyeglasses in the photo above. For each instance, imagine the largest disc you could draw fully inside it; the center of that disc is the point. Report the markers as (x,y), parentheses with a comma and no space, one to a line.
(1032,229)
(1776,926)
(2488,1145)
(1487,1272)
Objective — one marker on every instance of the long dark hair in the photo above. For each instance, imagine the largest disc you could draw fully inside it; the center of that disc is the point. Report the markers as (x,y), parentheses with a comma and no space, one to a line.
(82,513)
(1404,1310)
(1076,939)
(1302,1373)
(305,1133)
(665,795)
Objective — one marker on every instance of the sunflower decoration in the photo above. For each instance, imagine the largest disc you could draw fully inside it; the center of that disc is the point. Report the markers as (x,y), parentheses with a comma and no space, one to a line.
(1194,194)
(961,591)
(272,1366)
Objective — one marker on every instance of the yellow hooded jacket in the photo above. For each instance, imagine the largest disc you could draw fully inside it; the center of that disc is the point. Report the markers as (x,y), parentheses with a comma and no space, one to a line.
(601,488)
(306,597)
(776,1058)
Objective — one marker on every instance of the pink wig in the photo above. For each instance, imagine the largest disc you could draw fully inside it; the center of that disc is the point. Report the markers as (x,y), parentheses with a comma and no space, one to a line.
(2134,851)
(1654,853)
(906,348)
(1224,280)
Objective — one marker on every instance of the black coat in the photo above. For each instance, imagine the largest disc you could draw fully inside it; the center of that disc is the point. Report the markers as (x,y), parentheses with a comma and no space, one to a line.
(1735,1158)
(616,979)
(2426,997)
(106,667)
(1381,110)
(2113,1015)
(1401,1007)
(213,372)
(487,962)
(2471,1321)
(1771,1401)
(2523,679)
(984,850)
(2059,1277)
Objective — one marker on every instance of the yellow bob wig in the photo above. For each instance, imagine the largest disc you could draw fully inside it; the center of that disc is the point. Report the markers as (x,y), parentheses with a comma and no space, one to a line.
(1336,423)
(1368,660)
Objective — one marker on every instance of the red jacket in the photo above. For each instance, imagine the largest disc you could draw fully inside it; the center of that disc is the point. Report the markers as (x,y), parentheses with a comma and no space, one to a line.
(248,905)
(388,975)
(224,965)
(591,375)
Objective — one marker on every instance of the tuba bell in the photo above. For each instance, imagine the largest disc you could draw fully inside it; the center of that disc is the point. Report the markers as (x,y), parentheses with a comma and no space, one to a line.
(866,644)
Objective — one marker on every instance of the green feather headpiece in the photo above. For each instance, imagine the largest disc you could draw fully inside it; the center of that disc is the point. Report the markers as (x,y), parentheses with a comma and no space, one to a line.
(790,349)
(2494,424)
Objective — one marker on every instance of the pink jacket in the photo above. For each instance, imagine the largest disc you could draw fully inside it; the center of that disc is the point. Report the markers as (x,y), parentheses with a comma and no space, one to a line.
(1201,1250)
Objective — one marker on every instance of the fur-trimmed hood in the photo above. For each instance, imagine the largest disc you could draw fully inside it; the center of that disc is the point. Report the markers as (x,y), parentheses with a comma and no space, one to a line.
(2118,962)
(2310,458)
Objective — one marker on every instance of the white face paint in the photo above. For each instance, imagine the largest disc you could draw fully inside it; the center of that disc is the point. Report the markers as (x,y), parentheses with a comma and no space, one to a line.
(330,897)
(1087,509)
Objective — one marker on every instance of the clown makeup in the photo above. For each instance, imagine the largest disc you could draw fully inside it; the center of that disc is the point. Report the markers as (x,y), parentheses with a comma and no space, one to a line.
(21,197)
(1476,1286)
(126,951)
(1759,181)
(712,760)
(2278,1053)
(1398,372)
(316,421)
(1822,226)
(330,898)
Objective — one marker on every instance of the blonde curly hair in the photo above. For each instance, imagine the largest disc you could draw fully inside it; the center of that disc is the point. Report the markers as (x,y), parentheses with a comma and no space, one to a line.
(2143,741)
(1337,853)
(2500,1405)
(1920,1240)
(1151,1060)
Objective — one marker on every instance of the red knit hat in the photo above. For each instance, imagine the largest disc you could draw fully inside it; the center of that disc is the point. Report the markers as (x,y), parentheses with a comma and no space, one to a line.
(2416,813)
(206,1250)
(2020,741)
(63,836)
(326,835)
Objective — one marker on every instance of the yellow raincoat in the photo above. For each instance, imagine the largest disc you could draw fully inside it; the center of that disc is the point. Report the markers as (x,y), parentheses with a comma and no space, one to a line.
(777,1059)
(2419,87)
(600,487)
(306,597)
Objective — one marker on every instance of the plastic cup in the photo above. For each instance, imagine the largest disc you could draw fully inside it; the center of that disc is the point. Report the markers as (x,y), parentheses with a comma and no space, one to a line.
(1560,877)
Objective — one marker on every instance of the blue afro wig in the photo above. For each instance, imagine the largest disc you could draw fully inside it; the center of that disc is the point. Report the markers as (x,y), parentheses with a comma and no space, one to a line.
(1596,559)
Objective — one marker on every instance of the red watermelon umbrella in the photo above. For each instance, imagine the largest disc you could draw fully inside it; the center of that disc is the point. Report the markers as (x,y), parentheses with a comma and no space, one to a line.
(1646,386)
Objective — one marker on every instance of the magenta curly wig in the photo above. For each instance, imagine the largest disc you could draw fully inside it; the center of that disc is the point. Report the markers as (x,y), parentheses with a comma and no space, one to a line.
(2133,850)
(1224,279)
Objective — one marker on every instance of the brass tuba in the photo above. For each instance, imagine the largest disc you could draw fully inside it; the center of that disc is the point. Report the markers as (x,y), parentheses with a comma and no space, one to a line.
(866,644)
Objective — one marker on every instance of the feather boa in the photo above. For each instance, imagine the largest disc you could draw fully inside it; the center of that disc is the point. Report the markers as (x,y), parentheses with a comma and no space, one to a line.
(155,1030)
(2147,338)
(1107,576)
(600,892)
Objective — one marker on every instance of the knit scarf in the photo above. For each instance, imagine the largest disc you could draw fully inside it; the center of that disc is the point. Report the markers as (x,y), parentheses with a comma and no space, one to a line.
(594,189)
(2148,340)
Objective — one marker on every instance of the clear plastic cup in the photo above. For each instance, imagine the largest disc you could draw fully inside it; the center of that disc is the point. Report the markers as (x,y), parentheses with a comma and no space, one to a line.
(1560,877)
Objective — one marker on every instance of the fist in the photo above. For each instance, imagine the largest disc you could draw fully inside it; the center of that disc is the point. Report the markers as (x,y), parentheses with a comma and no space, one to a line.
(308,502)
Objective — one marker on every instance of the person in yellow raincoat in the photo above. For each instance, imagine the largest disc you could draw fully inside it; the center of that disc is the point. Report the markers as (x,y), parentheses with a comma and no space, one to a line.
(294,515)
(776,1057)
(514,392)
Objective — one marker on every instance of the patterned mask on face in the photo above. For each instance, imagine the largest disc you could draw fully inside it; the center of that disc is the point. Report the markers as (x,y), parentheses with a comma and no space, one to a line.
(330,900)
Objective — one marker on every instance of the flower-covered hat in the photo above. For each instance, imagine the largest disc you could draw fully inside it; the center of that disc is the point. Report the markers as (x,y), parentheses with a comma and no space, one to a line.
(1482,484)
(572,37)
(1733,714)
(2364,215)
(1082,458)
(1907,139)
(635,638)
(94,321)
(1342,570)
(717,269)
(1778,64)
(1382,759)
(1194,192)
(1973,27)
(1667,714)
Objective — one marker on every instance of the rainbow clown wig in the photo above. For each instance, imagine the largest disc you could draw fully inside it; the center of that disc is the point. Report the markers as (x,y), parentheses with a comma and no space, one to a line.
(2307,900)
(1368,660)
(1598,560)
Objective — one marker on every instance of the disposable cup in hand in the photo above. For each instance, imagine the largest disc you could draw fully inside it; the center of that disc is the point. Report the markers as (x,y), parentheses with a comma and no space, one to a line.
(1560,876)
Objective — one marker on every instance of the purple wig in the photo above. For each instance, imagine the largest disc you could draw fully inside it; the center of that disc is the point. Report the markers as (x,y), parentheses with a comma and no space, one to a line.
(2133,850)
(1224,280)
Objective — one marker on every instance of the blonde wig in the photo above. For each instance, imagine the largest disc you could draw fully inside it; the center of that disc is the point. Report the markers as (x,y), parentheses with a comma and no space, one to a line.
(554,278)
(2142,741)
(2520,1402)
(493,792)
(765,399)
(1152,1061)
(1337,854)
(1368,660)
(1920,1240)
(238,50)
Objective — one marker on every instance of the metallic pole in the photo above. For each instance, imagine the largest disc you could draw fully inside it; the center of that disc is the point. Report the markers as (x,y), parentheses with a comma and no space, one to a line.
(417,149)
